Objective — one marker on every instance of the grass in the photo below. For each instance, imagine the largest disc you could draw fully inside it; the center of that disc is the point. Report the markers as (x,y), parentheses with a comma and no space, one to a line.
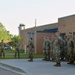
(9,54)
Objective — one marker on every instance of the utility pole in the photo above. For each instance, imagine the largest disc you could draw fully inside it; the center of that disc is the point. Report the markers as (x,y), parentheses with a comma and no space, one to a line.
(35,22)
(35,37)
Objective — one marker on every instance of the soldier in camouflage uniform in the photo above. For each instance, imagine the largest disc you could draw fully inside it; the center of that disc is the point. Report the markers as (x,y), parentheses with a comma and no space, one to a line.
(57,44)
(62,53)
(65,47)
(74,48)
(17,48)
(44,48)
(2,44)
(70,46)
(47,49)
(31,49)
(52,46)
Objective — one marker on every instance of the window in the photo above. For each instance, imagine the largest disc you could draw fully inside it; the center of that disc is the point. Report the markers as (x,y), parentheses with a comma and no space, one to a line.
(73,33)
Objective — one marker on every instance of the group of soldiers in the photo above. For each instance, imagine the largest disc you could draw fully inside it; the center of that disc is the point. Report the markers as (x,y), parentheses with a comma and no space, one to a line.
(16,46)
(55,48)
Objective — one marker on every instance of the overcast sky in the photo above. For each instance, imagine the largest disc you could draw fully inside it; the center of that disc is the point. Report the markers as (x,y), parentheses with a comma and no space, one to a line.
(14,12)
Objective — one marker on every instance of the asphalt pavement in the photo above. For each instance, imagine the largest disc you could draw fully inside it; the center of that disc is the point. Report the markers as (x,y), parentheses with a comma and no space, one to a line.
(37,67)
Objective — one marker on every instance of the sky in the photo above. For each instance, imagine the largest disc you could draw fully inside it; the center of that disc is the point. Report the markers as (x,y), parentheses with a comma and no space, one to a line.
(14,12)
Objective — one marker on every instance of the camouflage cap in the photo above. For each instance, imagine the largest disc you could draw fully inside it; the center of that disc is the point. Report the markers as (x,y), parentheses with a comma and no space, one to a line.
(69,35)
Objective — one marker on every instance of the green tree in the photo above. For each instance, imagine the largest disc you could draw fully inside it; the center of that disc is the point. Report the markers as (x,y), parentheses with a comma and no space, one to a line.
(13,38)
(4,34)
(16,37)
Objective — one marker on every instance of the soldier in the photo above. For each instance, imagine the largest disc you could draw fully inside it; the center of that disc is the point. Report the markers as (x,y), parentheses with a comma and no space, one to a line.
(74,47)
(44,48)
(31,49)
(17,48)
(62,53)
(65,47)
(57,44)
(47,49)
(70,46)
(2,44)
(52,46)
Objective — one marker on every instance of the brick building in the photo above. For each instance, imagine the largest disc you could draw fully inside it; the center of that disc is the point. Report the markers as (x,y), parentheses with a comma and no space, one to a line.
(65,25)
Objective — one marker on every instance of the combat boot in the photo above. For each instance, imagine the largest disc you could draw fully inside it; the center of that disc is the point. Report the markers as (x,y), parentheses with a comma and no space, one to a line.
(44,58)
(31,59)
(48,59)
(71,62)
(57,65)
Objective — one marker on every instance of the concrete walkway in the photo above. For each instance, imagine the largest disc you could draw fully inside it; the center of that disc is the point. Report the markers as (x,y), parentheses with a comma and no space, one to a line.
(38,67)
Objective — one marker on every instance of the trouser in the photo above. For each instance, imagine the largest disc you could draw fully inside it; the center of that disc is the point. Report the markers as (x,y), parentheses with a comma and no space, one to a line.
(65,53)
(62,54)
(71,58)
(70,55)
(31,56)
(17,51)
(57,58)
(44,54)
(2,53)
(47,55)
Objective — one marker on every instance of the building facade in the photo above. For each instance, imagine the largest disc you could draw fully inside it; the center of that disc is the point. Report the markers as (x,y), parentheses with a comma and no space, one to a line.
(65,25)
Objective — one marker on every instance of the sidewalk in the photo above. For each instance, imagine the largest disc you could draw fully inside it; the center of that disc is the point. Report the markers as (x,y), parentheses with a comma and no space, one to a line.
(38,67)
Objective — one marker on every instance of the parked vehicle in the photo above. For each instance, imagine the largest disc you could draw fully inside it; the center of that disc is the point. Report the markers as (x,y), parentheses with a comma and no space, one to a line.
(8,48)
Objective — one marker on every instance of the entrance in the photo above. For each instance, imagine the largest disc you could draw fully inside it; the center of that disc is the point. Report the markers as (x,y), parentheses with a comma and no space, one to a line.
(62,35)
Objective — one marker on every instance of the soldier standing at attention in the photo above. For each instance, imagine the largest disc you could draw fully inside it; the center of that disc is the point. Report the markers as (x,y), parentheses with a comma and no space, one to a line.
(65,47)
(2,48)
(74,47)
(31,49)
(44,48)
(57,44)
(52,46)
(62,54)
(47,49)
(17,48)
(70,45)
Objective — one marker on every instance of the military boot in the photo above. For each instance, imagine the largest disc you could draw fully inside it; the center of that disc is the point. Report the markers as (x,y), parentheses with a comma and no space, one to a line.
(71,62)
(57,65)
(48,59)
(31,59)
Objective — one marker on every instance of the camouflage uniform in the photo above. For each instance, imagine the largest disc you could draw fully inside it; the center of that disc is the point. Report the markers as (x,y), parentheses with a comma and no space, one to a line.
(65,49)
(2,49)
(62,53)
(74,50)
(17,49)
(31,49)
(70,46)
(44,48)
(57,44)
(47,50)
(52,48)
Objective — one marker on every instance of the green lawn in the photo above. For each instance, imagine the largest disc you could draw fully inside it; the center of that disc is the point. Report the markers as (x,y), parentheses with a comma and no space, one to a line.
(9,54)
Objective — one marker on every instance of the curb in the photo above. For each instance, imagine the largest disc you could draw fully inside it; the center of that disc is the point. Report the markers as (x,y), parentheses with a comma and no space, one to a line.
(12,68)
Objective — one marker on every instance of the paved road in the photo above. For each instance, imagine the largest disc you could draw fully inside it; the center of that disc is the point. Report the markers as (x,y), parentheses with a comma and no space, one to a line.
(39,67)
(7,72)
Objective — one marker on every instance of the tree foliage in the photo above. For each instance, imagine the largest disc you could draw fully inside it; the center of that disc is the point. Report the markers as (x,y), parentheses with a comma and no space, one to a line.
(4,34)
(13,38)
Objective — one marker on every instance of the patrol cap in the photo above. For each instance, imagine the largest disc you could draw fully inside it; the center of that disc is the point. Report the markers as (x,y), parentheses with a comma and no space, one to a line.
(69,35)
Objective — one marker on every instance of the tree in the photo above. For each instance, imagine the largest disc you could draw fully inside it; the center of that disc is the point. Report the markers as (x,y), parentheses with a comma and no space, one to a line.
(16,37)
(13,38)
(4,34)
